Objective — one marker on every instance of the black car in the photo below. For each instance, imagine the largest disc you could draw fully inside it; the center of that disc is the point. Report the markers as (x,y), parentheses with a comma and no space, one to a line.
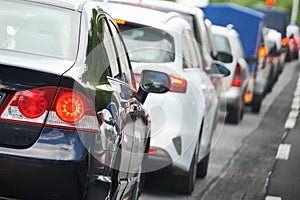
(70,115)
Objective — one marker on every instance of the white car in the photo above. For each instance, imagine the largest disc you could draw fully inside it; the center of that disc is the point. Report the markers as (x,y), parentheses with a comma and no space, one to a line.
(182,119)
(227,42)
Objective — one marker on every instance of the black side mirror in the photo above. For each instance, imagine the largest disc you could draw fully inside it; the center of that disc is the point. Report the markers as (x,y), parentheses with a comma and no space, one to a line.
(219,71)
(224,57)
(152,82)
(252,60)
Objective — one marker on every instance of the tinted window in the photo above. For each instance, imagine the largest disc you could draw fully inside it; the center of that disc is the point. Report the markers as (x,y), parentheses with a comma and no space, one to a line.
(148,44)
(122,56)
(109,49)
(37,29)
(222,43)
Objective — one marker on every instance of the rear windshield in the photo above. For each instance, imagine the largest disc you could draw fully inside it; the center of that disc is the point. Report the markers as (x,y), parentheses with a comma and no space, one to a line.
(38,29)
(222,43)
(148,44)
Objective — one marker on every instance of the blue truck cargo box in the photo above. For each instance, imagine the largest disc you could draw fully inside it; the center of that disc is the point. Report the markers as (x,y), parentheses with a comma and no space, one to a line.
(275,19)
(247,22)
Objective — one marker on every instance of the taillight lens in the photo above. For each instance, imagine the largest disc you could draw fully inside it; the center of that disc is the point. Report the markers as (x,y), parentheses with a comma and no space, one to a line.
(178,84)
(285,41)
(29,106)
(236,82)
(70,109)
(262,52)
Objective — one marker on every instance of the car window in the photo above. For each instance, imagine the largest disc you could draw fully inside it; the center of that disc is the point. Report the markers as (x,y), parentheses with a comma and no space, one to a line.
(109,50)
(38,29)
(122,56)
(222,43)
(148,44)
(190,56)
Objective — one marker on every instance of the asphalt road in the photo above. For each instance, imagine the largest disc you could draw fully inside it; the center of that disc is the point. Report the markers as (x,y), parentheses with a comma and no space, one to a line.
(243,159)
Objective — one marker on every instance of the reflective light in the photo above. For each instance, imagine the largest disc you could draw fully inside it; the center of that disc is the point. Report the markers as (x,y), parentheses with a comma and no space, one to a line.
(120,21)
(248,97)
(262,52)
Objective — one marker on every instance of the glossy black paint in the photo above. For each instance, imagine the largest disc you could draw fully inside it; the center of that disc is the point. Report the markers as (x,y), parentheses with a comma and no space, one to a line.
(38,162)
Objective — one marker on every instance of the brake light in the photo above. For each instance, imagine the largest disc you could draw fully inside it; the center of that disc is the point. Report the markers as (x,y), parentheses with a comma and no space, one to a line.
(120,21)
(284,41)
(29,106)
(70,109)
(262,52)
(236,82)
(178,84)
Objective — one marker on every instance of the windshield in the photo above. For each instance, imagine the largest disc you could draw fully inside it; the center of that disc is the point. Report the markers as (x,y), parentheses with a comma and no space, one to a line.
(222,43)
(38,29)
(148,44)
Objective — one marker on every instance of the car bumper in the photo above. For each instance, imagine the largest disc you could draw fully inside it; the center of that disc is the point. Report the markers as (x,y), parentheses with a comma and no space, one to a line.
(55,167)
(230,99)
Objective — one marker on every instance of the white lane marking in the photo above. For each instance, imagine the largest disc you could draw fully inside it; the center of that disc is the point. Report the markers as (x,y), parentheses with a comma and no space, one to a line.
(294,114)
(297,93)
(290,123)
(283,152)
(273,198)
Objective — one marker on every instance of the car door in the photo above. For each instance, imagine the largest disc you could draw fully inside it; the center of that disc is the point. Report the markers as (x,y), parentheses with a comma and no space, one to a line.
(207,91)
(135,120)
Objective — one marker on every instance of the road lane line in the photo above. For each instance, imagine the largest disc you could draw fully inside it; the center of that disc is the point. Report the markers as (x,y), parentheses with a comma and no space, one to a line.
(290,123)
(294,114)
(273,198)
(283,152)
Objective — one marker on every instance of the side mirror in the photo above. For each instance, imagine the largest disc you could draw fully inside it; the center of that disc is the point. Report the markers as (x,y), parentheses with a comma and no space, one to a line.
(152,82)
(220,70)
(252,60)
(224,57)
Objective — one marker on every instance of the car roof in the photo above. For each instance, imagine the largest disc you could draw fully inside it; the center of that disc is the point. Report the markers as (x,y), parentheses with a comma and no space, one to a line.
(69,4)
(164,5)
(228,31)
(146,16)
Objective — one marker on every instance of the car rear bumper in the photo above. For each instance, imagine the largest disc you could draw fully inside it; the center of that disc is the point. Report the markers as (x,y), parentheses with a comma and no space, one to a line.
(230,99)
(25,178)
(55,167)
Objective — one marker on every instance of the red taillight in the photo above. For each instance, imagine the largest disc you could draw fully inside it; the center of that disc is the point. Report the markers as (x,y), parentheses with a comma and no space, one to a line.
(285,41)
(33,104)
(71,109)
(178,84)
(236,82)
(262,52)
(151,150)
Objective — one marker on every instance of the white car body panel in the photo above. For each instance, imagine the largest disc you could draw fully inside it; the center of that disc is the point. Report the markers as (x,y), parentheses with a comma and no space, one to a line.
(175,114)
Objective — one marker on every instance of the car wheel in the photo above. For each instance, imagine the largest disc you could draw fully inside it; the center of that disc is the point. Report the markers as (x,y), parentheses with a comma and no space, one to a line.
(234,116)
(186,183)
(256,104)
(202,167)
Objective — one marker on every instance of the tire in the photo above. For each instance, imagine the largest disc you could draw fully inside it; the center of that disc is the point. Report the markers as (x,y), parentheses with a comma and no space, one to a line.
(234,116)
(202,167)
(256,104)
(186,183)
